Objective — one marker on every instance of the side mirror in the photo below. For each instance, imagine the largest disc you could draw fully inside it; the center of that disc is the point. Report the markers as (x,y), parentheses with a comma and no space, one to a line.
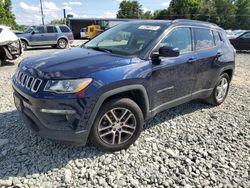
(164,51)
(167,51)
(33,32)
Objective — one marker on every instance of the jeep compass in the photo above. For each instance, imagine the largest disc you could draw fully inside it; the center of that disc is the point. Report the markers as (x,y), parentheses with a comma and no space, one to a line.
(103,91)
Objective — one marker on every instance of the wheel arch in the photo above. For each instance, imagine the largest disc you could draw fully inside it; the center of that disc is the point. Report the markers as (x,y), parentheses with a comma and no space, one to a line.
(229,72)
(25,40)
(123,92)
(62,37)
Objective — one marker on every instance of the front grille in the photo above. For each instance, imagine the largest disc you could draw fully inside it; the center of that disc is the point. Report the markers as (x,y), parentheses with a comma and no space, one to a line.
(27,81)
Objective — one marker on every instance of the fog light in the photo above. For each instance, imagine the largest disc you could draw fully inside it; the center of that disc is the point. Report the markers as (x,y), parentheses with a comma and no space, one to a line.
(58,111)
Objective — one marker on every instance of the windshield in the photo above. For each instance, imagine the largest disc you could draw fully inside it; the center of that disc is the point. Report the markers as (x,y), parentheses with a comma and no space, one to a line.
(127,39)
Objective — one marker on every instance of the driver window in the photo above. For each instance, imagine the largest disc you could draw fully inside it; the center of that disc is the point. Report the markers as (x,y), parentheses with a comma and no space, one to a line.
(39,30)
(179,38)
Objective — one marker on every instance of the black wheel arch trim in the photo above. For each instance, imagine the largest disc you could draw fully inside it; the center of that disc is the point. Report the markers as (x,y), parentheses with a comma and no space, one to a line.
(113,92)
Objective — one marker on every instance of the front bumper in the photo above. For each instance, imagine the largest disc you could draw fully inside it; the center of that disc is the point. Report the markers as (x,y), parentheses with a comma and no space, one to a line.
(68,127)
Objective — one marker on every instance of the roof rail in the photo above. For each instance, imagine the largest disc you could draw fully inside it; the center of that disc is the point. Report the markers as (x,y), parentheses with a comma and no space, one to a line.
(188,20)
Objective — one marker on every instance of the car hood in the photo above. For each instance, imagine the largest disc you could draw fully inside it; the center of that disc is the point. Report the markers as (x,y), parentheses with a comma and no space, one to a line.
(71,63)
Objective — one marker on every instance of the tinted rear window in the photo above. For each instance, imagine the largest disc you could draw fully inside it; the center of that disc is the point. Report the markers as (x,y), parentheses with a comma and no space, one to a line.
(51,29)
(204,39)
(64,29)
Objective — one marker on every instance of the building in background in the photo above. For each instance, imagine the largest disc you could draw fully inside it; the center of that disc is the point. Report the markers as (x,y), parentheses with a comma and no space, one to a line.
(79,25)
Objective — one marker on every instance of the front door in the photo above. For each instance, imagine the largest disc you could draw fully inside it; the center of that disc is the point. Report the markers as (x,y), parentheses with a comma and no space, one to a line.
(37,36)
(173,78)
(243,42)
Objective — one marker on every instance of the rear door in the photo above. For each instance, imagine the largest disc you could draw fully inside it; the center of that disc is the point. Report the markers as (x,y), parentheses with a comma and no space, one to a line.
(208,51)
(51,35)
(173,78)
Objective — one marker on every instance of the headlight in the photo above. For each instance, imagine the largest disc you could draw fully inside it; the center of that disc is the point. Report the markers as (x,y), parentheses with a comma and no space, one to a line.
(67,86)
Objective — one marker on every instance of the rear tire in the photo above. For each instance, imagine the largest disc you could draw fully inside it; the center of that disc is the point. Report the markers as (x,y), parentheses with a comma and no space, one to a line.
(122,122)
(62,43)
(220,91)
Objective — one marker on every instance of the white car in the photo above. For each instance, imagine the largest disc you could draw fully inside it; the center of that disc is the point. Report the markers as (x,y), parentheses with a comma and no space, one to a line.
(10,45)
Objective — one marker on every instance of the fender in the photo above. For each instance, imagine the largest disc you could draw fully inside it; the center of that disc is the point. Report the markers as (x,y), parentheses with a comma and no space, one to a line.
(104,96)
(26,40)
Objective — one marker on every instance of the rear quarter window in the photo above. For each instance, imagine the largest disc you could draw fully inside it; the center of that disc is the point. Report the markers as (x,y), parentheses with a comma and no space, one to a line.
(1,30)
(204,39)
(64,29)
(217,38)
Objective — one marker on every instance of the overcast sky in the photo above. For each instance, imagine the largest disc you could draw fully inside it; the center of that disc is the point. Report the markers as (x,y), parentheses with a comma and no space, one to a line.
(27,12)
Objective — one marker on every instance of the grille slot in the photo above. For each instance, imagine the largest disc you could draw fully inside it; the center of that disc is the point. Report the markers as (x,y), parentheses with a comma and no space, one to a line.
(29,82)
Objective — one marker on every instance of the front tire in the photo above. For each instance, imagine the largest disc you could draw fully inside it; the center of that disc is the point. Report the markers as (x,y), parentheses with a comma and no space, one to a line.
(118,124)
(24,45)
(220,91)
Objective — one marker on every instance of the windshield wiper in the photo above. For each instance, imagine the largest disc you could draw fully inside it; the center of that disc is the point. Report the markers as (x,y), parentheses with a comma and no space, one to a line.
(101,49)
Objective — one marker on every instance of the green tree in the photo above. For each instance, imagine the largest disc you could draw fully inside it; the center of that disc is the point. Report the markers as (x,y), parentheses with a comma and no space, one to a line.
(226,13)
(243,14)
(147,15)
(3,17)
(6,15)
(130,9)
(59,21)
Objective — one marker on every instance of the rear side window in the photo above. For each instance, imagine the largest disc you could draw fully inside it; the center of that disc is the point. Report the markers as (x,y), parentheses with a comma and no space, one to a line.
(204,39)
(217,38)
(1,30)
(51,29)
(179,38)
(64,29)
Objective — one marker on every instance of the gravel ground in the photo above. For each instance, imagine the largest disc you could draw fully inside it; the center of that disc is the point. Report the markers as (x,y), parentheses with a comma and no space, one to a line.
(193,145)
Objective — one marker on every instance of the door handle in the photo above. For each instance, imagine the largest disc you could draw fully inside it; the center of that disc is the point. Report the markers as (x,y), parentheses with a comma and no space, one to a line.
(191,60)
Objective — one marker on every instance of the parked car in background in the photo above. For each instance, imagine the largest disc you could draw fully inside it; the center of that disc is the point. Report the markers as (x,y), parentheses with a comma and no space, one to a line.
(242,42)
(47,35)
(232,34)
(104,90)
(10,45)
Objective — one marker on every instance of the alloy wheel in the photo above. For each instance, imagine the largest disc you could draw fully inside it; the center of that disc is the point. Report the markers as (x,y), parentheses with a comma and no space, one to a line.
(117,126)
(221,89)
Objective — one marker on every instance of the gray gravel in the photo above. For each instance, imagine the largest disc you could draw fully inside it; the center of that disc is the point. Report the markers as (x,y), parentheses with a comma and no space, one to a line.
(193,145)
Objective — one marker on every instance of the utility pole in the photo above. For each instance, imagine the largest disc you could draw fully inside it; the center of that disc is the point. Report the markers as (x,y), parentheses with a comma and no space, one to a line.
(41,3)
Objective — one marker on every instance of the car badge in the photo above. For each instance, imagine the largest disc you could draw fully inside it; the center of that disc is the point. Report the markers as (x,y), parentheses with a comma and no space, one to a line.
(24,68)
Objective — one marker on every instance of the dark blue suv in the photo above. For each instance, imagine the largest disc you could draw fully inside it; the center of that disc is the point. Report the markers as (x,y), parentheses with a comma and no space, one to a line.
(104,90)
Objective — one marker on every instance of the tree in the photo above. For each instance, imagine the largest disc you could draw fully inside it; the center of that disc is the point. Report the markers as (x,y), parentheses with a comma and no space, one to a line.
(147,15)
(243,14)
(60,21)
(3,17)
(130,9)
(6,15)
(226,13)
